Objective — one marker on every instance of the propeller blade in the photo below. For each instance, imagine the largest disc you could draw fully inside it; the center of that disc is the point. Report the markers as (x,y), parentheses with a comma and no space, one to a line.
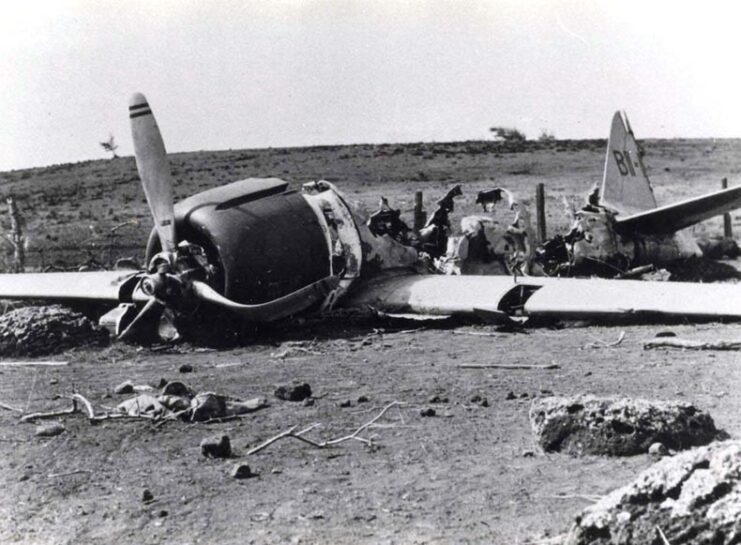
(154,169)
(152,306)
(279,308)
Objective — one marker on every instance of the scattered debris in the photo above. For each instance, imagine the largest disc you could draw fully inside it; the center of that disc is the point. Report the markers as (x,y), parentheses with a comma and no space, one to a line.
(363,399)
(687,344)
(241,471)
(603,344)
(437,399)
(507,366)
(295,391)
(618,427)
(126,387)
(36,331)
(480,400)
(693,497)
(427,412)
(49,430)
(345,404)
(354,436)
(217,446)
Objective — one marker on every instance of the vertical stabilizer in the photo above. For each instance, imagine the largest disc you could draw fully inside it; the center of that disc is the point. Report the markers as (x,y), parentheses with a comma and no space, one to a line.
(625,185)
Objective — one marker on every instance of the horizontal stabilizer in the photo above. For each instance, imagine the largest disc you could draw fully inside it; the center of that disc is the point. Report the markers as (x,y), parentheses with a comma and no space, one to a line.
(91,286)
(671,218)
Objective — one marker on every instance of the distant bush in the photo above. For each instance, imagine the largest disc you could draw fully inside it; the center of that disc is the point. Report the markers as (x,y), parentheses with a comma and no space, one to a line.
(546,136)
(506,134)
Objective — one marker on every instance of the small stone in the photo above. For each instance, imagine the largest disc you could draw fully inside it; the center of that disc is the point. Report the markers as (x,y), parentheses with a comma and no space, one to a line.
(666,334)
(241,471)
(147,495)
(657,450)
(480,400)
(427,412)
(344,404)
(528,454)
(53,381)
(126,387)
(437,399)
(49,430)
(295,391)
(186,368)
(524,395)
(162,513)
(276,471)
(363,399)
(217,446)
(510,396)
(309,401)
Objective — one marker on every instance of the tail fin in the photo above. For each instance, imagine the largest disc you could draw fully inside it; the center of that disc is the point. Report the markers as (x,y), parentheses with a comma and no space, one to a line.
(625,185)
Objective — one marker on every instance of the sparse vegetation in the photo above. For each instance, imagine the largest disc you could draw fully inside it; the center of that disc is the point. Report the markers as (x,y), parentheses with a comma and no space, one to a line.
(110,146)
(506,134)
(546,136)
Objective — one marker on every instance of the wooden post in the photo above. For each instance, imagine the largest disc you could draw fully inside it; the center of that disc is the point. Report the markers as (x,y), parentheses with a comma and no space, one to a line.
(540,211)
(727,228)
(420,217)
(16,237)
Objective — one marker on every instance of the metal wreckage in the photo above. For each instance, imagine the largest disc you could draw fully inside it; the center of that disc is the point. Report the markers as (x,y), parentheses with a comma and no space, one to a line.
(256,251)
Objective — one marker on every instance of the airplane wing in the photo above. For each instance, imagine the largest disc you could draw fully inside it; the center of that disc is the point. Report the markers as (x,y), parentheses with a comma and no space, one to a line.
(113,286)
(671,218)
(542,296)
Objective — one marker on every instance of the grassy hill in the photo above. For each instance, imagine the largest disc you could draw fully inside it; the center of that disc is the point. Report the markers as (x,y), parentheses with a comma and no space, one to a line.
(71,209)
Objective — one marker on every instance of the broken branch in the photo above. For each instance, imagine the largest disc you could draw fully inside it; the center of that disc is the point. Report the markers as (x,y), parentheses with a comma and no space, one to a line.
(9,407)
(291,432)
(475,333)
(52,414)
(33,363)
(506,366)
(691,345)
(602,344)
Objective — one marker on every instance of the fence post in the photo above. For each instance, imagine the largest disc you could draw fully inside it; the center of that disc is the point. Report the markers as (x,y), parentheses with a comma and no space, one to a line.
(540,211)
(16,237)
(420,217)
(727,228)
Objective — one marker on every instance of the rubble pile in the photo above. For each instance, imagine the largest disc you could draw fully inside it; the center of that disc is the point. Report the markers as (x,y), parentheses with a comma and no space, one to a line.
(36,331)
(618,427)
(693,497)
(177,400)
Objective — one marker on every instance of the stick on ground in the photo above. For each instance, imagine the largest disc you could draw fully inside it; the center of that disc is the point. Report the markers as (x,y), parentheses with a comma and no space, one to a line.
(507,366)
(291,432)
(691,345)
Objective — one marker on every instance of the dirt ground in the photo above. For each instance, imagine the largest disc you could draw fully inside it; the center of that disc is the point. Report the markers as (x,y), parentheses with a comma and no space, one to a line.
(469,474)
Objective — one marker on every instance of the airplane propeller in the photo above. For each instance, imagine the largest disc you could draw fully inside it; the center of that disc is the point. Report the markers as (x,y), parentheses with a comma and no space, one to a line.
(154,169)
(176,275)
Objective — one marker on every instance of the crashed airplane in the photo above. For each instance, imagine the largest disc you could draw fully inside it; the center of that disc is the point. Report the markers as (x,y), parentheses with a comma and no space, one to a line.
(256,251)
(621,227)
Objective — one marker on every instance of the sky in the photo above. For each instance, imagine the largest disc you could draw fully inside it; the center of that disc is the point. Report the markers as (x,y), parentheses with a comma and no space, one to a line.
(255,74)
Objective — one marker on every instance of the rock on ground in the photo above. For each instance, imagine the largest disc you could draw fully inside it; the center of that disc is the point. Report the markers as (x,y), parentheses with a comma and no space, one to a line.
(36,331)
(694,497)
(618,427)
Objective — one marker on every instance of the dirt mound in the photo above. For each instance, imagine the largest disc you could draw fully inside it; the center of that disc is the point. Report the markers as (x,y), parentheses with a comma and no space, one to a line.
(618,427)
(694,497)
(36,331)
